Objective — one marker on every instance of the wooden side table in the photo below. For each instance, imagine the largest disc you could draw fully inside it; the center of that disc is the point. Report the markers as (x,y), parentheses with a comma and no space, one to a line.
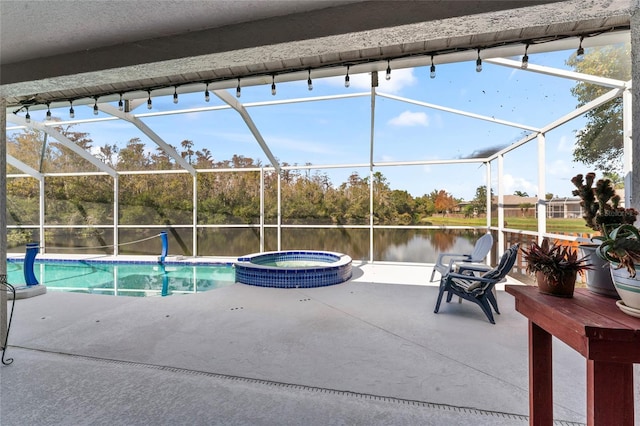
(594,326)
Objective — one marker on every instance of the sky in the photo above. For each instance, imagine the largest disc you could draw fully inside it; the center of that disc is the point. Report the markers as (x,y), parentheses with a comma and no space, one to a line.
(339,131)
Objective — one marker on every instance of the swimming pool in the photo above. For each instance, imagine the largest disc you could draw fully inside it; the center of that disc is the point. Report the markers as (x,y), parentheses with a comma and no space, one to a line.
(125,279)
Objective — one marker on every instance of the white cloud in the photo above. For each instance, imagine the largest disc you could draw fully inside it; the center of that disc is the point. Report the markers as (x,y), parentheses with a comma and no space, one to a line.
(558,168)
(408,118)
(513,184)
(400,79)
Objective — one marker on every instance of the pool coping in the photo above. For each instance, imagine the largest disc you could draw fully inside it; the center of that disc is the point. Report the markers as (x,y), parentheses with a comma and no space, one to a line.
(127,259)
(330,273)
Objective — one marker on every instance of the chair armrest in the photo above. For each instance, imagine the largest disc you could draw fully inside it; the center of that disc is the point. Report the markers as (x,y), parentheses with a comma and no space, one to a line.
(455,257)
(476,267)
(459,256)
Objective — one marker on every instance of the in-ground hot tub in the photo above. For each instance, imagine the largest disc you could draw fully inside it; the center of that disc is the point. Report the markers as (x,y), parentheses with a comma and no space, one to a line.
(293,269)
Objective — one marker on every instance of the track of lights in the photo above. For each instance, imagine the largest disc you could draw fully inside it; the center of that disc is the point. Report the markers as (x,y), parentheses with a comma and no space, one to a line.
(347,82)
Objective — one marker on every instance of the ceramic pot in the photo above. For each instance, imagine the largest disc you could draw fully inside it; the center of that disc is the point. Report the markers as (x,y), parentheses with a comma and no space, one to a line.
(563,288)
(599,279)
(628,288)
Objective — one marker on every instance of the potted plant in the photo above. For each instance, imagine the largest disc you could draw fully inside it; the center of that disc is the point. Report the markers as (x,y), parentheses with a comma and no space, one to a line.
(602,213)
(621,248)
(555,267)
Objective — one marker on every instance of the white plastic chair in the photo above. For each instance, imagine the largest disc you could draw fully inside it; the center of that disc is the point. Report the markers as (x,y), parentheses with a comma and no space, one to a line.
(445,262)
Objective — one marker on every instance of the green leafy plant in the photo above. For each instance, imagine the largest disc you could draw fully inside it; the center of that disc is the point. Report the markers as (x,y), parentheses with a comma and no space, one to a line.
(553,260)
(621,246)
(601,204)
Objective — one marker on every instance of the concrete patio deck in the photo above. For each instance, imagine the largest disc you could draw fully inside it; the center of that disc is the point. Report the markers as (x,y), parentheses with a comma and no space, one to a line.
(367,352)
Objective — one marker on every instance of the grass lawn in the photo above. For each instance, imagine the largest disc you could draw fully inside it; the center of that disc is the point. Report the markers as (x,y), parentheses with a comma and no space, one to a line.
(557,226)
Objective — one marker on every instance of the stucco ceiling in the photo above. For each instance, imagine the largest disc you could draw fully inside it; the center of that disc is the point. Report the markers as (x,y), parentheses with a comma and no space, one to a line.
(58,50)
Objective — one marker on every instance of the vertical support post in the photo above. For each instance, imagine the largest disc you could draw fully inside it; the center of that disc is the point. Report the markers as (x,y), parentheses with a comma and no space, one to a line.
(540,377)
(488,205)
(627,157)
(3,219)
(29,259)
(41,205)
(116,213)
(194,231)
(261,209)
(541,207)
(371,214)
(501,240)
(609,393)
(632,177)
(279,212)
(374,84)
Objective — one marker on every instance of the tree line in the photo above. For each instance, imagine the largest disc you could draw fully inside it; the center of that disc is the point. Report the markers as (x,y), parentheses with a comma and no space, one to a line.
(308,197)
(234,197)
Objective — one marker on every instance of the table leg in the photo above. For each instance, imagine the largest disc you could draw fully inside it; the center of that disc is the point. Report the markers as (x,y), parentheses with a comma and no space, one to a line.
(609,393)
(540,377)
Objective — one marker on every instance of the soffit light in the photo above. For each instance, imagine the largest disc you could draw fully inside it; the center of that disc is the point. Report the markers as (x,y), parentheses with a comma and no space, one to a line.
(478,63)
(580,51)
(432,70)
(525,58)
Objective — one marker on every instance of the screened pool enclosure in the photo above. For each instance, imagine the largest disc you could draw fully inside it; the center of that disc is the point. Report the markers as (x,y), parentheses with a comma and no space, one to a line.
(341,159)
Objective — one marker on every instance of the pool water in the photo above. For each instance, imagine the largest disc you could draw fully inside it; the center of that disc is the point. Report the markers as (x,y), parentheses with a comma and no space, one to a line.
(125,279)
(293,263)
